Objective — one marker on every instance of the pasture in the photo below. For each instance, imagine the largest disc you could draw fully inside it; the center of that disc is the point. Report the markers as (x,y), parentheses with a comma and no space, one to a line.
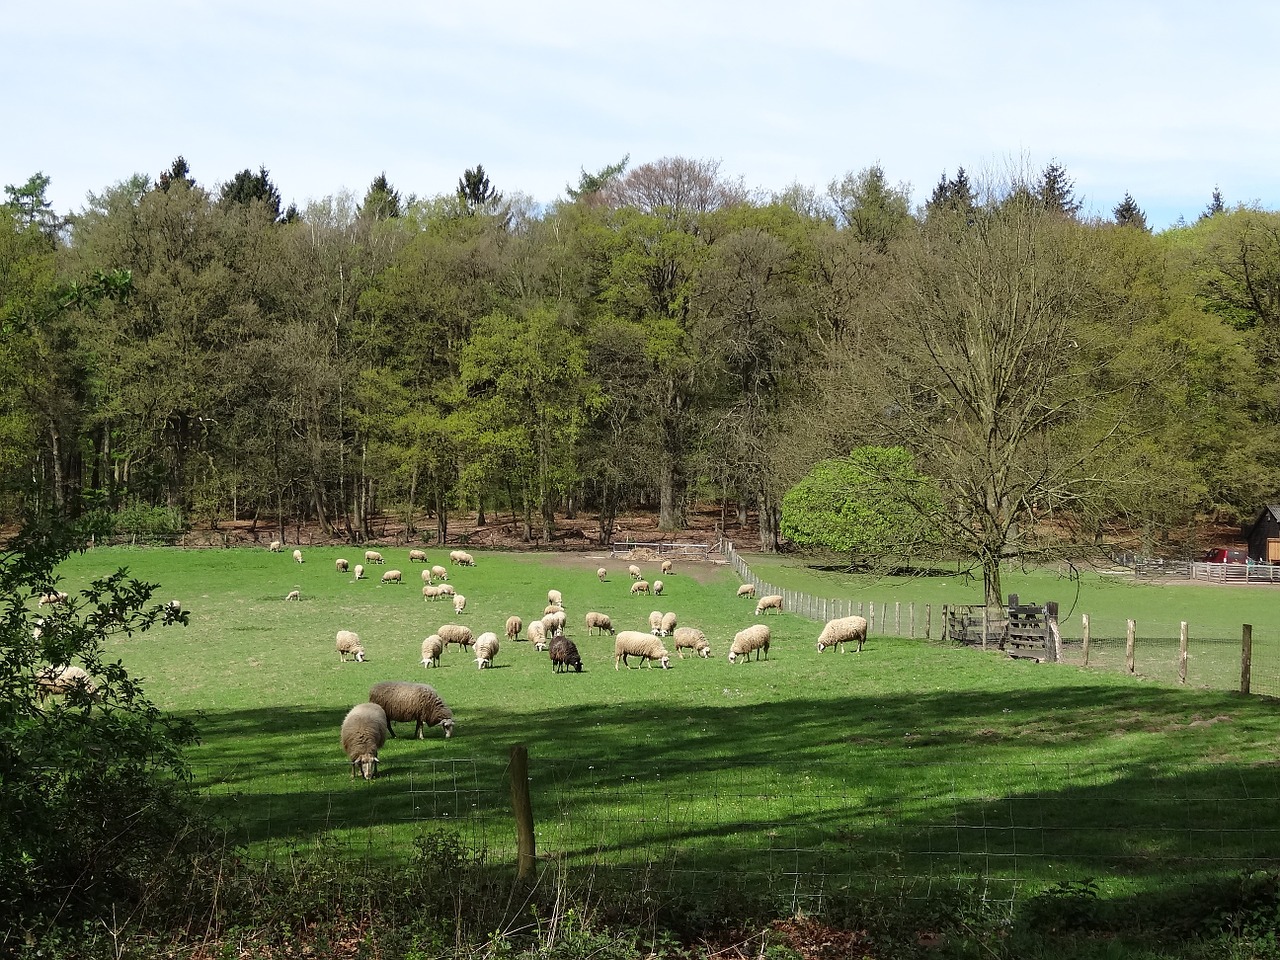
(911,768)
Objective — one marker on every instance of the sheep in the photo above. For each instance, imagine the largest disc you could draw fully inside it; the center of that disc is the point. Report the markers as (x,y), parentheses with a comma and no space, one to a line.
(364,731)
(601,573)
(459,604)
(636,644)
(554,623)
(426,575)
(432,647)
(655,623)
(844,629)
(747,590)
(514,626)
(486,649)
(555,597)
(430,592)
(772,602)
(52,597)
(634,571)
(349,642)
(753,638)
(175,607)
(439,572)
(341,565)
(666,566)
(657,588)
(60,680)
(691,638)
(373,556)
(462,558)
(393,576)
(564,654)
(601,621)
(293,595)
(541,645)
(639,587)
(275,546)
(668,624)
(552,608)
(445,590)
(456,633)
(297,556)
(359,571)
(537,633)
(412,701)
(417,556)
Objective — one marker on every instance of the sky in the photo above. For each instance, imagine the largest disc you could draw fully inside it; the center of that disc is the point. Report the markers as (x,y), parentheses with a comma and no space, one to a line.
(1163,100)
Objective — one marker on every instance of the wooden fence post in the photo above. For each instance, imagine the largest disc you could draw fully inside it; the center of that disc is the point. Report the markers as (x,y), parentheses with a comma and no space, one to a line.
(1246,657)
(1131,638)
(1084,630)
(913,619)
(928,619)
(523,810)
(897,618)
(1182,652)
(1054,640)
(985,626)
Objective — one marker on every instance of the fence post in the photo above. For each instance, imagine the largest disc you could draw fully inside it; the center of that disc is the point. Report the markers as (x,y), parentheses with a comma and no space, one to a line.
(523,810)
(897,618)
(1131,637)
(985,626)
(1084,630)
(1182,652)
(928,619)
(912,608)
(871,617)
(1246,657)
(1054,640)
(946,622)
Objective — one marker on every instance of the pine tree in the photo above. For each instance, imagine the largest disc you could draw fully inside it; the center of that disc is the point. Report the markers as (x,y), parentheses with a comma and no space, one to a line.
(1056,191)
(475,192)
(1215,206)
(1127,213)
(247,186)
(954,195)
(381,201)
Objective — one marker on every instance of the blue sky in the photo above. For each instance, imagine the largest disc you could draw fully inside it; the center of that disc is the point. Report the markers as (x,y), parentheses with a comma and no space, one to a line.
(1165,100)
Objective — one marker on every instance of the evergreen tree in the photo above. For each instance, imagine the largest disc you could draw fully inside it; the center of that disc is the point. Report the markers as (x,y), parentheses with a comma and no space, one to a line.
(178,172)
(1056,191)
(30,208)
(953,196)
(1127,213)
(590,184)
(1215,206)
(381,200)
(475,192)
(247,186)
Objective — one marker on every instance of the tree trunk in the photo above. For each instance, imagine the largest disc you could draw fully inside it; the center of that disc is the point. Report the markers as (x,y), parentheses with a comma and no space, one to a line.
(670,494)
(770,522)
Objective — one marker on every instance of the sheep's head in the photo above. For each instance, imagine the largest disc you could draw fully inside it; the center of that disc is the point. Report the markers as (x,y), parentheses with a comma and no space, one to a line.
(666,662)
(367,764)
(704,651)
(447,725)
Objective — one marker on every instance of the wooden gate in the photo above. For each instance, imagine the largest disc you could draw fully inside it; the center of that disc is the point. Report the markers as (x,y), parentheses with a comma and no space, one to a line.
(1022,630)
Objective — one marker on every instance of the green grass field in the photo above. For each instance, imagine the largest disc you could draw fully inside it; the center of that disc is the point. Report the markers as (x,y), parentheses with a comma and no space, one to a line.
(907,767)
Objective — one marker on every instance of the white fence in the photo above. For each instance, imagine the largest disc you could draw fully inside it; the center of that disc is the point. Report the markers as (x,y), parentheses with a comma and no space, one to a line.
(1236,572)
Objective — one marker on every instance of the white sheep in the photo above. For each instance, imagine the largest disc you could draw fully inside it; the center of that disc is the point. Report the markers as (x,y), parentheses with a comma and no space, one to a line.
(459,603)
(747,590)
(843,630)
(639,587)
(634,643)
(348,642)
(601,621)
(52,597)
(359,571)
(412,701)
(341,565)
(456,633)
(462,558)
(432,647)
(753,638)
(666,566)
(536,633)
(601,573)
(772,602)
(657,588)
(555,598)
(364,730)
(430,592)
(514,626)
(691,638)
(552,608)
(439,572)
(417,556)
(393,576)
(293,595)
(554,623)
(60,680)
(668,624)
(445,590)
(655,623)
(373,556)
(486,649)
(426,575)
(297,556)
(275,546)
(634,571)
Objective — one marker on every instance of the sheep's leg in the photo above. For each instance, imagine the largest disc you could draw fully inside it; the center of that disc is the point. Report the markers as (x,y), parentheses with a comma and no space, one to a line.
(418,730)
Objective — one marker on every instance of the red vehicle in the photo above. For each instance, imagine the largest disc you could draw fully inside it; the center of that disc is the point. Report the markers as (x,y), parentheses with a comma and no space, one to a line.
(1224,555)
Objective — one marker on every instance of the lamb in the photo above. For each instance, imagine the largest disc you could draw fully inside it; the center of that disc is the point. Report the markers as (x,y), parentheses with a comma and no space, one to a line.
(349,642)
(275,546)
(639,587)
(772,602)
(601,573)
(635,572)
(297,556)
(341,565)
(537,633)
(844,629)
(666,566)
(657,588)
(432,647)
(555,597)
(655,623)
(486,649)
(439,572)
(554,623)
(514,626)
(601,621)
(668,624)
(373,556)
(293,595)
(412,701)
(691,638)
(417,556)
(564,654)
(747,590)
(393,576)
(364,731)
(359,571)
(430,592)
(456,633)
(459,604)
(636,644)
(753,638)
(62,680)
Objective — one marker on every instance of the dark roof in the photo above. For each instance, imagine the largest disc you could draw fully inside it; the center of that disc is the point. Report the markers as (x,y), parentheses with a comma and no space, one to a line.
(1272,509)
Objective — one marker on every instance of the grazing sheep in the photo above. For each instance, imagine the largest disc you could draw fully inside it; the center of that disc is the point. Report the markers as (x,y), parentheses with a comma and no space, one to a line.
(275,546)
(753,638)
(691,638)
(439,572)
(668,624)
(445,590)
(364,731)
(601,621)
(601,573)
(459,603)
(842,630)
(417,556)
(393,576)
(537,633)
(456,633)
(555,597)
(639,587)
(432,647)
(62,680)
(657,588)
(462,558)
(359,571)
(655,623)
(293,595)
(747,590)
(349,642)
(426,575)
(412,701)
(552,608)
(373,556)
(666,566)
(554,623)
(297,556)
(634,571)
(53,596)
(541,645)
(772,602)
(341,565)
(430,592)
(175,606)
(636,644)
(564,654)
(486,649)
(514,626)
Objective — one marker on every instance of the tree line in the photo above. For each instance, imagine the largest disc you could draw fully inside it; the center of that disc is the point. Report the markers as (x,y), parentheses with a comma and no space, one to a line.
(659,335)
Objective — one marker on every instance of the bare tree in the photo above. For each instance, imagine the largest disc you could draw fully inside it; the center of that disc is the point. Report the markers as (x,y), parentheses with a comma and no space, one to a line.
(676,187)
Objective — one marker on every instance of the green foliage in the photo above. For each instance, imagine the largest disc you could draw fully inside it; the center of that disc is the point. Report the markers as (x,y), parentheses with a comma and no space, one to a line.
(1127,213)
(144,521)
(247,187)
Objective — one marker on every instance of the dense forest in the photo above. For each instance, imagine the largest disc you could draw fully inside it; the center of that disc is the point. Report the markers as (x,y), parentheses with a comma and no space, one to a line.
(661,335)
